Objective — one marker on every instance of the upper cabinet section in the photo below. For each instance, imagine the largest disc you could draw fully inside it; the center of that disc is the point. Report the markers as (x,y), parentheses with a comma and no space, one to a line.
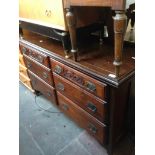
(51,13)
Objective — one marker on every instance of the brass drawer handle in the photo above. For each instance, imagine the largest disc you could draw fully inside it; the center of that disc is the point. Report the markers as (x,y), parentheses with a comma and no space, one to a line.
(24,50)
(90,86)
(92,128)
(40,58)
(58,69)
(29,65)
(60,86)
(91,107)
(65,107)
(48,94)
(45,75)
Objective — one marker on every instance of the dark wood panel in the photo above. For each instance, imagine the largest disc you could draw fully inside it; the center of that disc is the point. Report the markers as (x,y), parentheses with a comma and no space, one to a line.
(94,60)
(93,86)
(41,71)
(114,4)
(36,55)
(95,128)
(42,87)
(93,105)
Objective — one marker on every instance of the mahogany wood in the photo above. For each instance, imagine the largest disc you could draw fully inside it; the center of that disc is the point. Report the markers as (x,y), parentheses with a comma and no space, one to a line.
(96,67)
(39,85)
(95,61)
(36,55)
(80,79)
(95,128)
(119,24)
(95,106)
(71,22)
(38,69)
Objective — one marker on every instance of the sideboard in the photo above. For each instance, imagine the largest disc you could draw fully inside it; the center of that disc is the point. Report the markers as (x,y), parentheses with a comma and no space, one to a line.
(87,91)
(92,86)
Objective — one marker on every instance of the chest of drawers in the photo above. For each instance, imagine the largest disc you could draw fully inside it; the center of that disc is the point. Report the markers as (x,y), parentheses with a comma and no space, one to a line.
(84,91)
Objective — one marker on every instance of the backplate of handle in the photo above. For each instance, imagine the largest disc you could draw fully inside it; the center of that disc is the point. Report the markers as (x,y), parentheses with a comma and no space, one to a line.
(91,107)
(92,128)
(90,86)
(60,86)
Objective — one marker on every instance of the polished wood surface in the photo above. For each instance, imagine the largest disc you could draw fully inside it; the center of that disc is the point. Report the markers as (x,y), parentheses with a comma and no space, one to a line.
(39,85)
(40,70)
(96,60)
(114,4)
(91,110)
(38,56)
(119,25)
(95,128)
(93,86)
(93,105)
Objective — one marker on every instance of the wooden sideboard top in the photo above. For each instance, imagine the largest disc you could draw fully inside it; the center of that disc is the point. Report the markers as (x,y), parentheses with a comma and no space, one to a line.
(94,60)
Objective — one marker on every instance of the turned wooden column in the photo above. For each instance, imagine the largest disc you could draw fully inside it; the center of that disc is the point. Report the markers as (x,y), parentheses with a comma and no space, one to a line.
(71,22)
(120,22)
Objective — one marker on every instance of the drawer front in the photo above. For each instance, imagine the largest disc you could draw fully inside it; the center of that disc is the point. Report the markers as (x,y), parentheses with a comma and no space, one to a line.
(25,80)
(23,70)
(41,86)
(43,12)
(39,57)
(93,86)
(41,71)
(21,60)
(93,105)
(94,127)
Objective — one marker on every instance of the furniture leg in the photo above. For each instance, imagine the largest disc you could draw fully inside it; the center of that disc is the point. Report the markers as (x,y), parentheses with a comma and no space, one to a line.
(71,22)
(65,43)
(119,30)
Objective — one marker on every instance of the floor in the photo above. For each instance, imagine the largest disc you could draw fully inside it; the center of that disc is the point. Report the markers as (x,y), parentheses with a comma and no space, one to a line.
(50,132)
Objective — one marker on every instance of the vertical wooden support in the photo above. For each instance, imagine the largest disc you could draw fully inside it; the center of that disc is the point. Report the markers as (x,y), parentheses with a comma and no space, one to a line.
(120,21)
(71,22)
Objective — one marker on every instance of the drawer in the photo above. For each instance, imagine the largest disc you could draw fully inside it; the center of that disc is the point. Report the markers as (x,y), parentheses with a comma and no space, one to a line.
(93,86)
(25,80)
(23,70)
(43,12)
(21,60)
(38,56)
(39,85)
(86,121)
(40,70)
(90,103)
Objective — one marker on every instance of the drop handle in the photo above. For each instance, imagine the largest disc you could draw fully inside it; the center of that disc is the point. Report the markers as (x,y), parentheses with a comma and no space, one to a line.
(29,65)
(92,128)
(24,50)
(48,94)
(91,107)
(58,69)
(45,75)
(65,107)
(90,86)
(60,86)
